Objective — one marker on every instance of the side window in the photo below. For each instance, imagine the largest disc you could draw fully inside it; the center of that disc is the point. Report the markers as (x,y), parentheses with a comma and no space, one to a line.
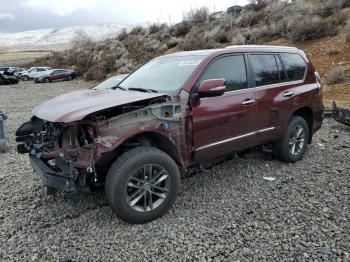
(41,69)
(282,73)
(295,66)
(265,69)
(232,69)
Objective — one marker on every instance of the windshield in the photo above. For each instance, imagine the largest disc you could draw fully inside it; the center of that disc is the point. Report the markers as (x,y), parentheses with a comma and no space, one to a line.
(110,82)
(165,74)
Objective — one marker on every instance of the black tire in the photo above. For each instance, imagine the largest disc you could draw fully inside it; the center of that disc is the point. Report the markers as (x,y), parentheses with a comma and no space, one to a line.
(46,80)
(2,146)
(283,149)
(123,171)
(69,78)
(25,78)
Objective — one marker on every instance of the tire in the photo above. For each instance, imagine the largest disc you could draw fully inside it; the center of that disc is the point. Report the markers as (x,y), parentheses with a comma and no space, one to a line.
(123,191)
(25,78)
(46,80)
(291,148)
(69,78)
(2,146)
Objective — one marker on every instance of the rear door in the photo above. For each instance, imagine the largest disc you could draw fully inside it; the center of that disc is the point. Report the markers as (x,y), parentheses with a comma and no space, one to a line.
(225,123)
(274,92)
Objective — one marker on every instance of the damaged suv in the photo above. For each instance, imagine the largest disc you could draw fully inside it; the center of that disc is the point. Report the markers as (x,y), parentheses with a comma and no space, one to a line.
(173,113)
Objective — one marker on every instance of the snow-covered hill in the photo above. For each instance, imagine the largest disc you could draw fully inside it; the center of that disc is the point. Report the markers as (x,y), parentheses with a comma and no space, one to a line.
(54,36)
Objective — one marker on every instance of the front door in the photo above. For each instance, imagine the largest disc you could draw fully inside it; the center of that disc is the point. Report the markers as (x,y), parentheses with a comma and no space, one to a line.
(225,123)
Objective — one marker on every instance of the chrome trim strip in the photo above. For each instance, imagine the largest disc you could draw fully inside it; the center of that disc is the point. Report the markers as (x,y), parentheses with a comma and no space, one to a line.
(267,86)
(236,138)
(266,129)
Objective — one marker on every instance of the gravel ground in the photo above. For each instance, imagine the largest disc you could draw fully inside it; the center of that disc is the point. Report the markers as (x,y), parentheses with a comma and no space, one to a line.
(228,213)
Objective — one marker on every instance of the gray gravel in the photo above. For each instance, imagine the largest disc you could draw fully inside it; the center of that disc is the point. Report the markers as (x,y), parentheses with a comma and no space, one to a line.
(228,213)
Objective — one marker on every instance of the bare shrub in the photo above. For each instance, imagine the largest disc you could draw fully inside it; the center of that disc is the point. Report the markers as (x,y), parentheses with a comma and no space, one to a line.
(82,40)
(141,49)
(336,75)
(123,34)
(156,27)
(172,42)
(197,16)
(306,28)
(137,30)
(324,8)
(195,40)
(94,73)
(238,39)
(180,29)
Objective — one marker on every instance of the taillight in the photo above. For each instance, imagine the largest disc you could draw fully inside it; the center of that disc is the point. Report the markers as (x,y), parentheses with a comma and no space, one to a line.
(318,78)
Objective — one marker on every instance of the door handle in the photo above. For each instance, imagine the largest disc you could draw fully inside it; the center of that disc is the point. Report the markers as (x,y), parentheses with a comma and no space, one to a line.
(248,102)
(288,94)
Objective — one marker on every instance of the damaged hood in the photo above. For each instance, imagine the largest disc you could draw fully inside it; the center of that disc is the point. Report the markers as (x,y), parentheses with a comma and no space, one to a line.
(76,105)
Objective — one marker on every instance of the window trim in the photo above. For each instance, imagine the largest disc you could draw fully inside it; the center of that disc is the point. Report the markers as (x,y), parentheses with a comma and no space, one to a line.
(252,68)
(249,86)
(305,70)
(289,82)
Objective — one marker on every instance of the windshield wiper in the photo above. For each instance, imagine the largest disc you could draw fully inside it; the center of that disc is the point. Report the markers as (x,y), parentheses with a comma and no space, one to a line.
(147,90)
(116,87)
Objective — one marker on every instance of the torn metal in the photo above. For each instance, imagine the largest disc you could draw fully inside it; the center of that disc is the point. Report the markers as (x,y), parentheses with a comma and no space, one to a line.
(341,115)
(71,156)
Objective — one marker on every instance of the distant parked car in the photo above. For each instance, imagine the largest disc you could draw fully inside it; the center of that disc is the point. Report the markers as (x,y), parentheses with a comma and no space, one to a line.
(8,80)
(17,71)
(34,72)
(4,69)
(56,75)
(13,71)
(110,82)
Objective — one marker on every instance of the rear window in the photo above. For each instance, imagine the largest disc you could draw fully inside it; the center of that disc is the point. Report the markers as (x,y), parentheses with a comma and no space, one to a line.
(294,65)
(265,69)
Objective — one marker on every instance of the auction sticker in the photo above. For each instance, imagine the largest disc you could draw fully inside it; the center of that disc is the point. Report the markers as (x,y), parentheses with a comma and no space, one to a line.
(190,63)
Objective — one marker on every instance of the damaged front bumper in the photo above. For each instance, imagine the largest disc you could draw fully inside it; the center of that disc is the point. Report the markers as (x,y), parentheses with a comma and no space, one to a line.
(52,177)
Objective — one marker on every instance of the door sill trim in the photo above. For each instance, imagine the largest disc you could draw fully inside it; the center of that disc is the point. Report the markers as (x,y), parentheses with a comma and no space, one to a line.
(235,138)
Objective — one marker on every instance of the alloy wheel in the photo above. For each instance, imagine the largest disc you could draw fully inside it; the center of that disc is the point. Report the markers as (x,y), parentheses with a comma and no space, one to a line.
(147,187)
(297,140)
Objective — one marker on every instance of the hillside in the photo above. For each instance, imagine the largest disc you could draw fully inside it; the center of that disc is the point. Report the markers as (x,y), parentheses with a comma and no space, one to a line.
(320,27)
(58,36)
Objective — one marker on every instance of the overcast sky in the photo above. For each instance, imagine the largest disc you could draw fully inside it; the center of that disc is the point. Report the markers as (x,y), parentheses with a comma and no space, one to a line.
(22,15)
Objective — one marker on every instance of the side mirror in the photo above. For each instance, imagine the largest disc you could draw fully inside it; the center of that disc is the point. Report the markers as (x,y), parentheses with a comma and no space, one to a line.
(212,87)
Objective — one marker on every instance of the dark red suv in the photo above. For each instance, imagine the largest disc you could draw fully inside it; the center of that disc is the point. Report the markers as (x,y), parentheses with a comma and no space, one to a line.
(171,114)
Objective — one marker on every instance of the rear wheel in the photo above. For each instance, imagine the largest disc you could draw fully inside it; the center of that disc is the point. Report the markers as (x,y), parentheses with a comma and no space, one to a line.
(142,184)
(46,80)
(69,78)
(2,146)
(292,146)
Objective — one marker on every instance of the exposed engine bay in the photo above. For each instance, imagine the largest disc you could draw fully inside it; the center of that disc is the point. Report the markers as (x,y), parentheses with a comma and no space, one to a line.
(79,154)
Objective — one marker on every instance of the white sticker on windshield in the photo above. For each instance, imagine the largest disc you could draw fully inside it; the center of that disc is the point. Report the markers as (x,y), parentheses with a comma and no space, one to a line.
(190,63)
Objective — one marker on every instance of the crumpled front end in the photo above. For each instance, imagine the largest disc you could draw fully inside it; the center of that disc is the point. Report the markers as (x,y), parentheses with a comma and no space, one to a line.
(62,154)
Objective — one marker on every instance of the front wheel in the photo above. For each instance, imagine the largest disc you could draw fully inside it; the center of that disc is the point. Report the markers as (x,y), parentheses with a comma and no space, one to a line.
(142,184)
(46,80)
(25,78)
(292,146)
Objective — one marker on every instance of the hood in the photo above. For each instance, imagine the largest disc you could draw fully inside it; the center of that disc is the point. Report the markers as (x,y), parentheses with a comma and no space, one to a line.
(76,105)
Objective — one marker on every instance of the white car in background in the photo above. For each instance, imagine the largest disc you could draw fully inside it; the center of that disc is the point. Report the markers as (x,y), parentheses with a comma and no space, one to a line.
(34,72)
